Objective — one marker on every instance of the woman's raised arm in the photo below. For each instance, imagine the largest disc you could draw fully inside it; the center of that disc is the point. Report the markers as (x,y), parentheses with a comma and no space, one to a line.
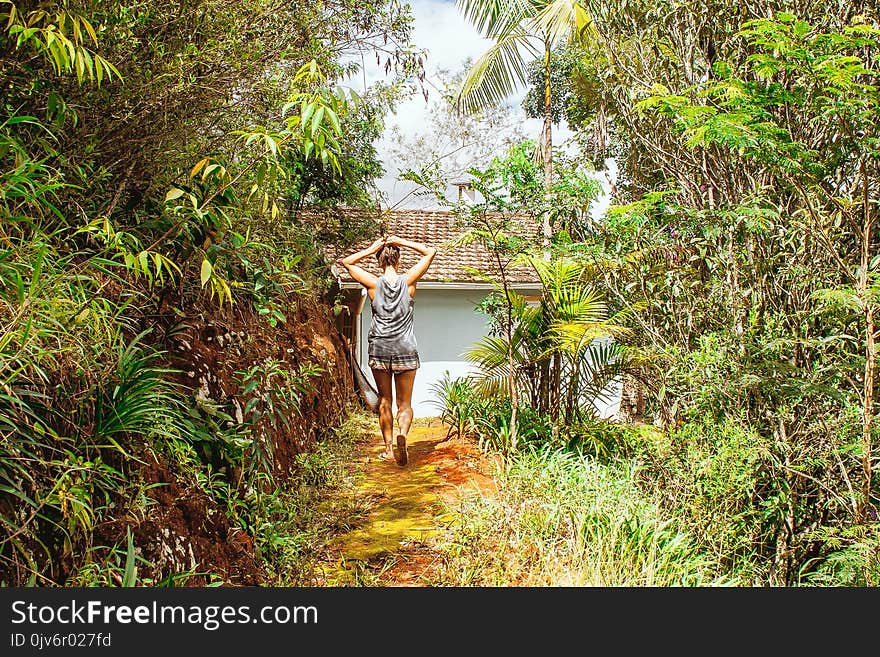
(360,274)
(417,270)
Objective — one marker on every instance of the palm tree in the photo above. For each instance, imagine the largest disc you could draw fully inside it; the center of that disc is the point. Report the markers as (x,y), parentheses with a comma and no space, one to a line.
(522,31)
(575,338)
(570,329)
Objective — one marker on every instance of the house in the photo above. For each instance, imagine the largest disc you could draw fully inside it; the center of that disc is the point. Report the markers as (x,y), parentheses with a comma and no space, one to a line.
(446,322)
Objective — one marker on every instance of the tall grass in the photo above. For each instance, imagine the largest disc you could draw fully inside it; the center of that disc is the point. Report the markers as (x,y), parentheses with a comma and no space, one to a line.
(564,519)
(65,450)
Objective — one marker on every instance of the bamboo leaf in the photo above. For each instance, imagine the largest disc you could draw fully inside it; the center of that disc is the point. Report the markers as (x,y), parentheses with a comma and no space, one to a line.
(199,166)
(306,114)
(206,271)
(90,30)
(334,121)
(316,121)
(130,577)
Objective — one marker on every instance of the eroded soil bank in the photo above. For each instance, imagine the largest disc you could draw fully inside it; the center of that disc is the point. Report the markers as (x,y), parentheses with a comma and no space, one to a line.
(182,529)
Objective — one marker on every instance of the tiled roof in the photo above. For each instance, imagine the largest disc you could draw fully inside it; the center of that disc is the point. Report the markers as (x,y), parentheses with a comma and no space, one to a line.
(438,228)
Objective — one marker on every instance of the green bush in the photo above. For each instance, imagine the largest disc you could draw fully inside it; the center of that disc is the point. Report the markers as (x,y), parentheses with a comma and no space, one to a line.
(713,478)
(487,419)
(854,561)
(456,401)
(292,523)
(467,412)
(601,438)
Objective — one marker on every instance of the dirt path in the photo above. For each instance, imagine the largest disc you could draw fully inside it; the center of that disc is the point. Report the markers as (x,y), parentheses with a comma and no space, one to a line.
(394,546)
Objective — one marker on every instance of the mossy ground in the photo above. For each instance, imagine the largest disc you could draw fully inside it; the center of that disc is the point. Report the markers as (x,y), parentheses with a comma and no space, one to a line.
(392,547)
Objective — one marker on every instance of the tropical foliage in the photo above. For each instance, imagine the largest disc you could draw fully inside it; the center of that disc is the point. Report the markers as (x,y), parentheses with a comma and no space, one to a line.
(551,356)
(739,255)
(153,158)
(750,224)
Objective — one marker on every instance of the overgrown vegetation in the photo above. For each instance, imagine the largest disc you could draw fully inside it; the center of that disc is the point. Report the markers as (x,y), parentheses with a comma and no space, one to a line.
(561,519)
(153,161)
(292,524)
(739,260)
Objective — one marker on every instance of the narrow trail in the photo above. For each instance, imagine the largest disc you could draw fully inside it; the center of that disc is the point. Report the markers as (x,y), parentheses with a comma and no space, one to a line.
(393,547)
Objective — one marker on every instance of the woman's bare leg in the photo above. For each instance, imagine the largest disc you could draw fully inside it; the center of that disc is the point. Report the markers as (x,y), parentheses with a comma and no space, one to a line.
(386,420)
(403,384)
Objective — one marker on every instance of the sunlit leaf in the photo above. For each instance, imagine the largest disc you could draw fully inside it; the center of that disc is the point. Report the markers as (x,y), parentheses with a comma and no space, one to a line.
(206,270)
(173,194)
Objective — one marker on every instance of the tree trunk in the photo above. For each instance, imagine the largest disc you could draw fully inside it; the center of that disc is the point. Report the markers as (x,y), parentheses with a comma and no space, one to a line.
(547,151)
(511,361)
(870,356)
(514,396)
(632,400)
(543,405)
(868,414)
(573,388)
(781,568)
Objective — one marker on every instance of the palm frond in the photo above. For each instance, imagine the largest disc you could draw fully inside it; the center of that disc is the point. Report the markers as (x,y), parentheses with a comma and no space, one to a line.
(573,304)
(494,18)
(559,274)
(490,355)
(530,319)
(571,296)
(562,19)
(606,361)
(574,337)
(497,72)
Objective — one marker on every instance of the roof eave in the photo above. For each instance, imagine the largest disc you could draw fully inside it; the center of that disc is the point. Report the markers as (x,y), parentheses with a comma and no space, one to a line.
(456,285)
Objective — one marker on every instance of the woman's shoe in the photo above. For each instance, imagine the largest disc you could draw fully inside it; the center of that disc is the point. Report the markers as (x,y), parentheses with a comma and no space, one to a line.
(400,450)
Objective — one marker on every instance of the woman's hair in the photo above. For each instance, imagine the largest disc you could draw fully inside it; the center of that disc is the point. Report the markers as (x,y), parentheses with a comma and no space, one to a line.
(388,255)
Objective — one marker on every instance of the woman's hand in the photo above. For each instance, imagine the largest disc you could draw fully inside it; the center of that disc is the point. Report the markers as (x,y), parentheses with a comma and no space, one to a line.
(418,247)
(354,258)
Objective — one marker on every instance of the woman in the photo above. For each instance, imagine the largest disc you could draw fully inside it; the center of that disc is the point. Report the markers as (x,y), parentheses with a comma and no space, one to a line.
(392,349)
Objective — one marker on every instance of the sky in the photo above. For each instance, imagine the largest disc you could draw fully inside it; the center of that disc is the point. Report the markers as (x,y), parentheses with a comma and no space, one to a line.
(449,40)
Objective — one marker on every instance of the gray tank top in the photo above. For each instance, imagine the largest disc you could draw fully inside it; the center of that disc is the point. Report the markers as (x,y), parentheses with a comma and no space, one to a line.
(391,333)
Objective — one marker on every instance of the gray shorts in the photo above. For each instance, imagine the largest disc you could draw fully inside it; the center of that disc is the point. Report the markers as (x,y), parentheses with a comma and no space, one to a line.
(395,363)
